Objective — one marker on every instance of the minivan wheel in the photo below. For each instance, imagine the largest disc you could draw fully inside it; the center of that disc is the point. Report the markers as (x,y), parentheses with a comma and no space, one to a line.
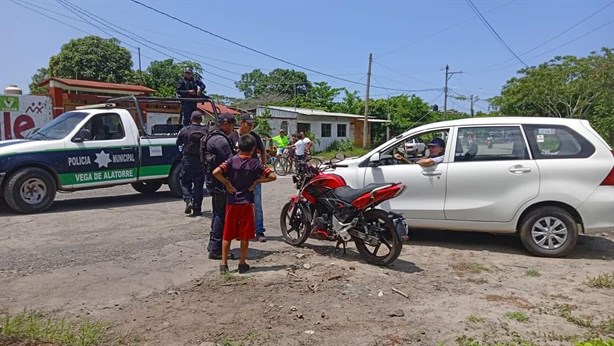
(549,232)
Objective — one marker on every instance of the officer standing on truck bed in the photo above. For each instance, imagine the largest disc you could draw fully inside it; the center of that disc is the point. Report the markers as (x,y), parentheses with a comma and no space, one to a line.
(192,175)
(188,87)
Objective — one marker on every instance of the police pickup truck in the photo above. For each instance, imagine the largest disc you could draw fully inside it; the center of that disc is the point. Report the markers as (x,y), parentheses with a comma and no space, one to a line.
(91,147)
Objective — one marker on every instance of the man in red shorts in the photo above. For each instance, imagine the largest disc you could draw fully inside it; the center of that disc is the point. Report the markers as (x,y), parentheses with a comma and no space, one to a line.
(240,174)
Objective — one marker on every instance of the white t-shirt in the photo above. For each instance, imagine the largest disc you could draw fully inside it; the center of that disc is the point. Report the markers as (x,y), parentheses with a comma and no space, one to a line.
(301,144)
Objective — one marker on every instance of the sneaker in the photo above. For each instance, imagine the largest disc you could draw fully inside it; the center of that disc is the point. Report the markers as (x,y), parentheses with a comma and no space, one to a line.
(223,268)
(244,268)
(261,238)
(188,207)
(212,256)
(196,213)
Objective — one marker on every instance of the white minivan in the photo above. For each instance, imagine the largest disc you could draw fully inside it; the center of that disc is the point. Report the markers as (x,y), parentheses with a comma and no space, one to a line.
(545,178)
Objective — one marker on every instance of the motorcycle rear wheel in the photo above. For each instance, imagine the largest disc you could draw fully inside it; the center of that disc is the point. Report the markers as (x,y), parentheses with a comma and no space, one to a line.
(295,219)
(387,237)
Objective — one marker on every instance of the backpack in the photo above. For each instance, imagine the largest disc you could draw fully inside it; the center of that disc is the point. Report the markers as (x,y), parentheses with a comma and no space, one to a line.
(209,158)
(195,135)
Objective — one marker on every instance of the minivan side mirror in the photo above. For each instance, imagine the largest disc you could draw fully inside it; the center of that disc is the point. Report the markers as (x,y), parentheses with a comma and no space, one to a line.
(374,159)
(83,135)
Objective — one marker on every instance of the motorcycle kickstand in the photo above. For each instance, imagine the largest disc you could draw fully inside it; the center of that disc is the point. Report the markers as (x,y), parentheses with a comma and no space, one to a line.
(339,242)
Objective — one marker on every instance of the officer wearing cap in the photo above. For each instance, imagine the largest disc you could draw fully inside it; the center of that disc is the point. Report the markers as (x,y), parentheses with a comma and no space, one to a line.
(216,148)
(246,127)
(192,175)
(188,87)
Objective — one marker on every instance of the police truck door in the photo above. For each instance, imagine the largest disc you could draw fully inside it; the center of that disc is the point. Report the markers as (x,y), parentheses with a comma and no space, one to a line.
(106,155)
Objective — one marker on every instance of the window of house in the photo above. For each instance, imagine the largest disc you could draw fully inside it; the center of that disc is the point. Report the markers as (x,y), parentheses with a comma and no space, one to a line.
(489,143)
(342,130)
(557,142)
(303,127)
(284,126)
(326,130)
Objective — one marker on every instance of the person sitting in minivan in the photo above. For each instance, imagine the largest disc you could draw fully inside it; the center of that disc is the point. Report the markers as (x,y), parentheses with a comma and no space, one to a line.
(437,148)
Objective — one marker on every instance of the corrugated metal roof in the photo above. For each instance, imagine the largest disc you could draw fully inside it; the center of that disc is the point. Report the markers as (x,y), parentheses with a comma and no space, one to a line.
(317,112)
(98,85)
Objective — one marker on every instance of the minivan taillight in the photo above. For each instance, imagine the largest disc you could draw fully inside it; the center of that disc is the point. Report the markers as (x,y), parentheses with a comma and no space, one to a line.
(609,179)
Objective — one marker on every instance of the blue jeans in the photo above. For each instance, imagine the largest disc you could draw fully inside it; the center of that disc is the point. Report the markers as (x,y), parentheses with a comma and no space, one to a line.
(258,203)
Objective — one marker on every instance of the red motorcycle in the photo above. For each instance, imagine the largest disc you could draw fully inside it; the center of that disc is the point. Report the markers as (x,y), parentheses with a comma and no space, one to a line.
(327,209)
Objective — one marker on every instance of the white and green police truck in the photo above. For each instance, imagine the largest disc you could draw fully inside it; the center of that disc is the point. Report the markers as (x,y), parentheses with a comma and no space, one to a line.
(92,147)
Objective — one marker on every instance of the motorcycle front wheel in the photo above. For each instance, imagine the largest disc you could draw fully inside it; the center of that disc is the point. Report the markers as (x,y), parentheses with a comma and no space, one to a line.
(295,223)
(389,244)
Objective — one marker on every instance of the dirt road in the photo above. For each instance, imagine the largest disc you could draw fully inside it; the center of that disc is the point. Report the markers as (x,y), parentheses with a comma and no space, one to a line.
(136,260)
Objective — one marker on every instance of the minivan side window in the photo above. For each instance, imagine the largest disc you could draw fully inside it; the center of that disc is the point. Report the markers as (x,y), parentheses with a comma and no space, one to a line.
(490,143)
(557,142)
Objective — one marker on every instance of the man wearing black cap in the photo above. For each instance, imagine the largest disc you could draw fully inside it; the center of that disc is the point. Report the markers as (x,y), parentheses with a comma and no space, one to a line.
(216,148)
(188,87)
(192,175)
(246,127)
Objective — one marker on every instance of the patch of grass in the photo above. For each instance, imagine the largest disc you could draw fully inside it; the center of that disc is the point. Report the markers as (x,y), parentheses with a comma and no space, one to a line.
(512,299)
(228,342)
(565,312)
(475,319)
(606,327)
(470,267)
(517,316)
(31,327)
(533,272)
(595,342)
(464,340)
(601,281)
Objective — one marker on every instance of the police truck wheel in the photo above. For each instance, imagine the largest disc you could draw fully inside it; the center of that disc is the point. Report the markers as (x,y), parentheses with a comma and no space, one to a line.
(30,190)
(174,182)
(147,186)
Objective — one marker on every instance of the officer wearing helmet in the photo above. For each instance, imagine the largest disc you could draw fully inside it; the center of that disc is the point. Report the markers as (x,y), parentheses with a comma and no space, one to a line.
(188,87)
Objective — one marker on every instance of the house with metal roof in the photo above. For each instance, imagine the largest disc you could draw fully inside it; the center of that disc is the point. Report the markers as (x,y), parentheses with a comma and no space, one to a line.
(327,126)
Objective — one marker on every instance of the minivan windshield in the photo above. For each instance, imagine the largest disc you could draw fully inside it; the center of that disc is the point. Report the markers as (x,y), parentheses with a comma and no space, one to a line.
(59,127)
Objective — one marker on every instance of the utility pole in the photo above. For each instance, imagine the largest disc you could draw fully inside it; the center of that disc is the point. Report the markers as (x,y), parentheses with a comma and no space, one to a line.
(471,106)
(445,89)
(140,71)
(366,121)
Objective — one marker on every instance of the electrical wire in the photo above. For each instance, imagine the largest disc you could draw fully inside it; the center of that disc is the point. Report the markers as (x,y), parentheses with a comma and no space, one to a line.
(261,52)
(493,31)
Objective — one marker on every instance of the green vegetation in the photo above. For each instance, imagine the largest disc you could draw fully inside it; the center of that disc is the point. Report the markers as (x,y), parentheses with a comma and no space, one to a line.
(32,328)
(595,342)
(470,267)
(517,316)
(601,281)
(475,319)
(533,272)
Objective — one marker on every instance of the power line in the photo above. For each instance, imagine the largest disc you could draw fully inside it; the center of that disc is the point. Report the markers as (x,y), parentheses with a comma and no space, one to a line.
(557,35)
(493,31)
(261,52)
(81,13)
(404,74)
(440,31)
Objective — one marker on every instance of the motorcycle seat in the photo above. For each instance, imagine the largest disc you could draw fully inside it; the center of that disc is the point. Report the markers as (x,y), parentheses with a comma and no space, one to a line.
(349,194)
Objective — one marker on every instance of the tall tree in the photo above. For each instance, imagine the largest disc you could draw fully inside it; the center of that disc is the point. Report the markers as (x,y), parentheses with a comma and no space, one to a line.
(162,75)
(567,87)
(280,82)
(40,75)
(93,58)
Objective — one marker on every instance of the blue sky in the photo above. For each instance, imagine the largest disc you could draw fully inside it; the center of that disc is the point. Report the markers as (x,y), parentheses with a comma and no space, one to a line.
(411,41)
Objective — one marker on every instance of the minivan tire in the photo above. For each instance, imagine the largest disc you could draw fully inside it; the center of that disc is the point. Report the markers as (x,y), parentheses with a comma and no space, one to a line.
(541,231)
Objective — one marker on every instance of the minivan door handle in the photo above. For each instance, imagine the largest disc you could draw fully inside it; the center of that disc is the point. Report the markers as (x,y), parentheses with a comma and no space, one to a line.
(519,169)
(431,173)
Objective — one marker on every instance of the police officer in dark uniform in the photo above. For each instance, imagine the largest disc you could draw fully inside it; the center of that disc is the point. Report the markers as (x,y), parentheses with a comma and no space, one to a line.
(188,87)
(192,174)
(215,149)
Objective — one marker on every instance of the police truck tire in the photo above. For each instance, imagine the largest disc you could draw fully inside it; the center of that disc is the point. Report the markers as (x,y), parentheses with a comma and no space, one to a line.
(174,182)
(30,190)
(147,186)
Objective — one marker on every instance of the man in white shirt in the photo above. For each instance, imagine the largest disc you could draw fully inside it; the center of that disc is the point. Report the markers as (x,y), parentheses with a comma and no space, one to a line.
(437,148)
(303,146)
